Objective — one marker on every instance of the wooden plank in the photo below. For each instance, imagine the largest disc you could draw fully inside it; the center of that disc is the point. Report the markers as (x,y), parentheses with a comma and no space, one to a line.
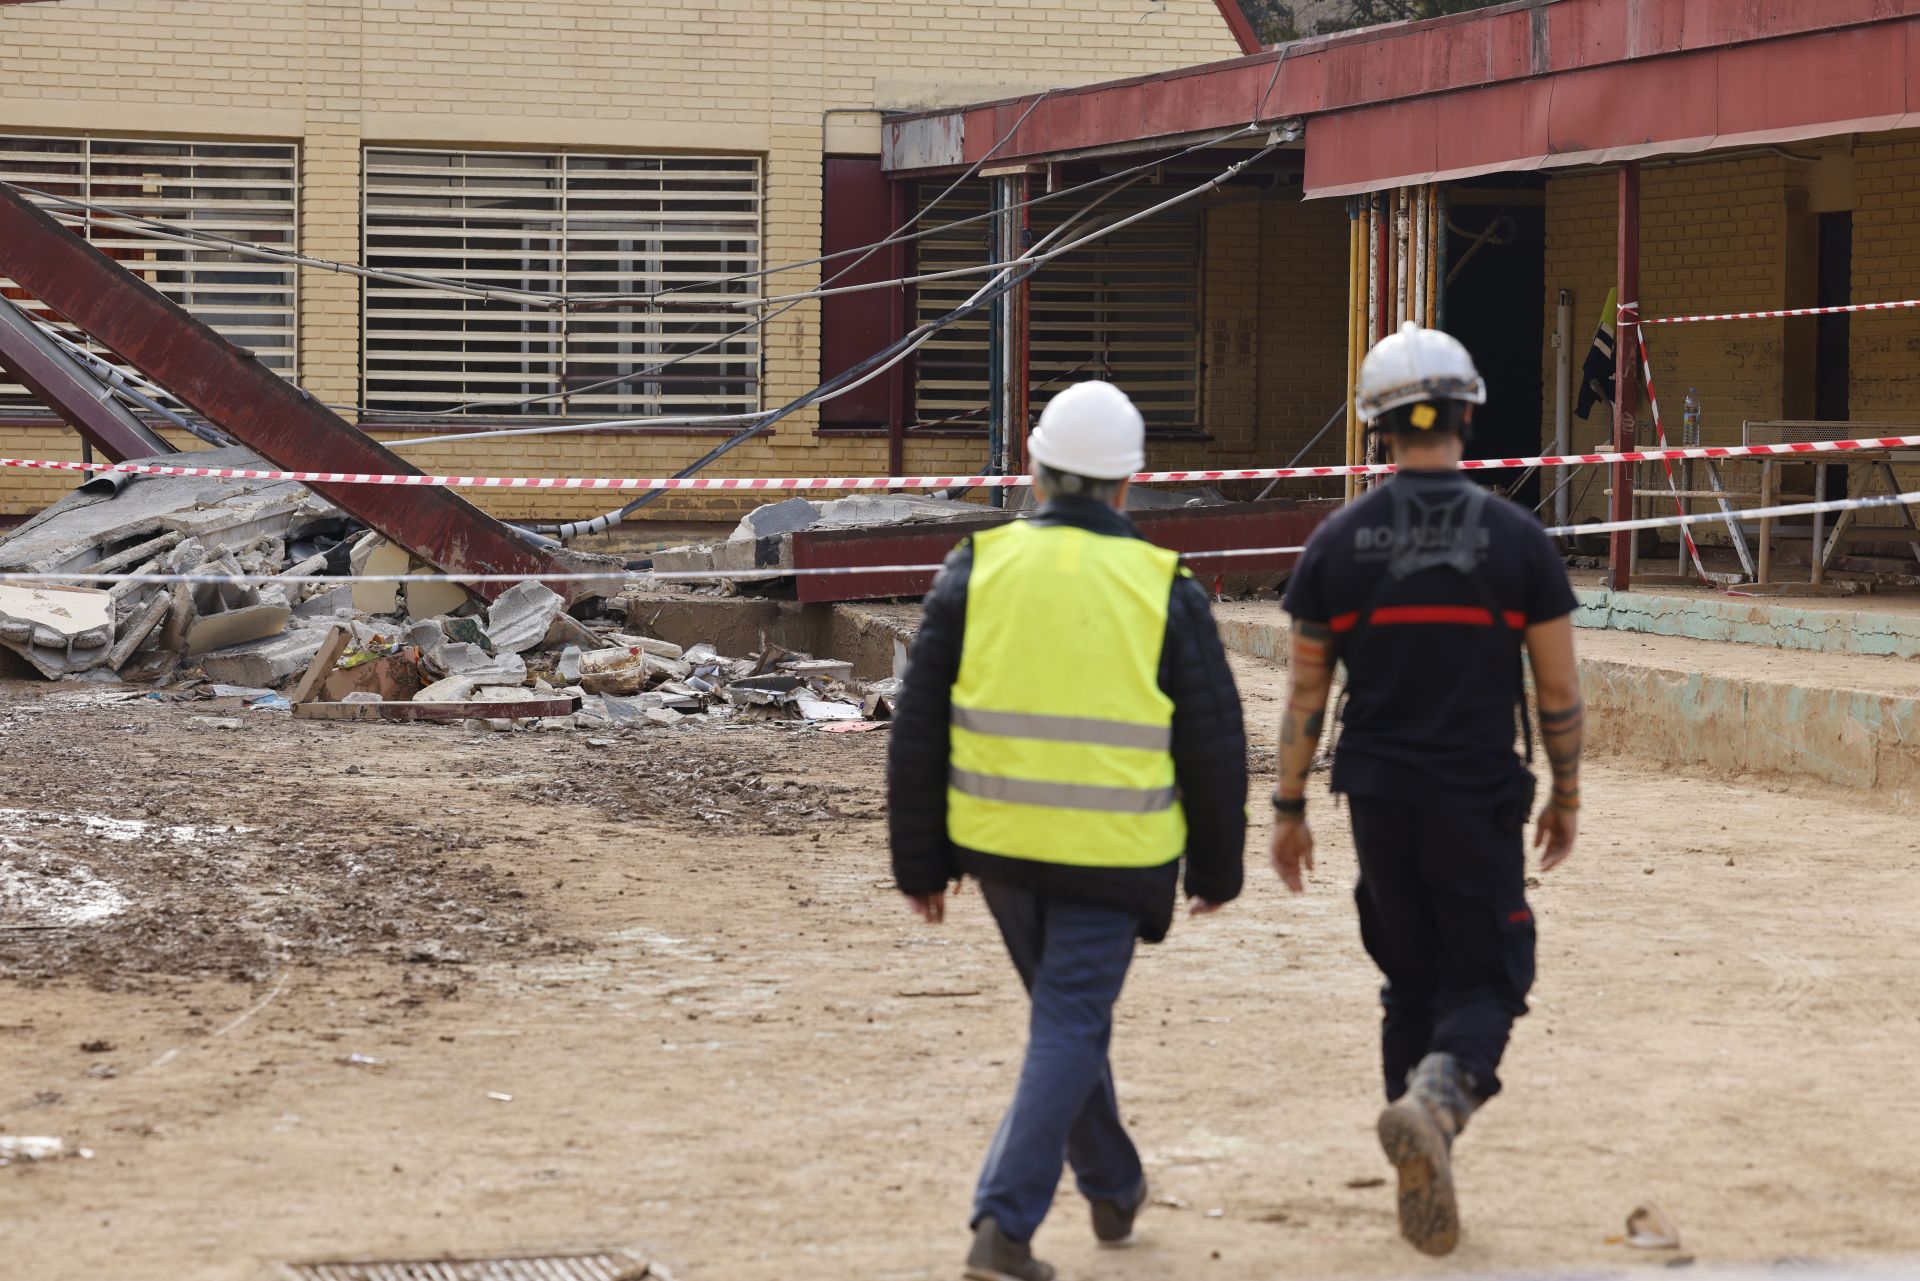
(515,709)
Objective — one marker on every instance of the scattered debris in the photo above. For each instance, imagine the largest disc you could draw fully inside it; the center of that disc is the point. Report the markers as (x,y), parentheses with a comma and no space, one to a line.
(37,1147)
(1651,1228)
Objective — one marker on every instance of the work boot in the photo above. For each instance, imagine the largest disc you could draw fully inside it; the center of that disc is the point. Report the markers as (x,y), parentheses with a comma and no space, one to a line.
(996,1257)
(1113,1220)
(1417,1132)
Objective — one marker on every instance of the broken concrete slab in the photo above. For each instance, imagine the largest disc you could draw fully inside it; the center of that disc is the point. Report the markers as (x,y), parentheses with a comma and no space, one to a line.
(568,630)
(457,658)
(59,630)
(785,517)
(138,627)
(326,602)
(219,512)
(266,663)
(208,632)
(451,689)
(321,665)
(519,618)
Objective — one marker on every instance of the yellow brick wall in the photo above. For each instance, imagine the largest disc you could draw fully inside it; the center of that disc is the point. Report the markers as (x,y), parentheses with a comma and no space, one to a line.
(1715,237)
(1275,345)
(751,76)
(1885,355)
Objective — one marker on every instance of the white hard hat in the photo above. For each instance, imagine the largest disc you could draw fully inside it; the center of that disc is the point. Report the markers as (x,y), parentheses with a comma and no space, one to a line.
(1414,365)
(1092,430)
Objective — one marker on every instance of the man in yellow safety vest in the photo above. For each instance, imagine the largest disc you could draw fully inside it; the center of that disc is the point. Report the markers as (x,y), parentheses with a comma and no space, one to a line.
(1068,730)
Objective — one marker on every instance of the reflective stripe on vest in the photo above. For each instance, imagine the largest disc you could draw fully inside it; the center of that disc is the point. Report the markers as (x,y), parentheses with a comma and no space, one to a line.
(1061,734)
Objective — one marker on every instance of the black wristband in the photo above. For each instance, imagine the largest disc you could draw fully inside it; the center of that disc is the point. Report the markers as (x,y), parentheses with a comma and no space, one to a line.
(1281,805)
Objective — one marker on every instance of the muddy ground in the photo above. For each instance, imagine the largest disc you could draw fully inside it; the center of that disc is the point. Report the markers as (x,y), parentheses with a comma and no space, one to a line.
(723,1043)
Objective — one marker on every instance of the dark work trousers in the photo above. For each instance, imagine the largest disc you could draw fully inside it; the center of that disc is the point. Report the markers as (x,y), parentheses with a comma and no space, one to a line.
(1443,913)
(1073,958)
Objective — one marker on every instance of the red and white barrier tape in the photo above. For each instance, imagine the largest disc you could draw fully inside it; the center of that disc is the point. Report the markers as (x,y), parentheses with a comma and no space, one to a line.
(804,483)
(1653,407)
(1909,498)
(1787,314)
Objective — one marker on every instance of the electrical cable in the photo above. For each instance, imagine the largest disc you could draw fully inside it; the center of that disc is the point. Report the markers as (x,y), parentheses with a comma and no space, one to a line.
(1306,449)
(714,420)
(875,365)
(1030,203)
(131,386)
(765,320)
(162,230)
(166,231)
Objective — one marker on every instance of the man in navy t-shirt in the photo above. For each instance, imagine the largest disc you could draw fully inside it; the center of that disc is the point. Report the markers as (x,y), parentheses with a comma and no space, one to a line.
(1429,589)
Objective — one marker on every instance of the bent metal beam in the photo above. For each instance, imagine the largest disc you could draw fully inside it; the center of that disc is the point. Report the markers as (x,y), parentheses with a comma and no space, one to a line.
(274,418)
(65,386)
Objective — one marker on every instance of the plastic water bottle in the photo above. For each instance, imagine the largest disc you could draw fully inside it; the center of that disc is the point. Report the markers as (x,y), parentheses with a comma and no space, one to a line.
(1690,419)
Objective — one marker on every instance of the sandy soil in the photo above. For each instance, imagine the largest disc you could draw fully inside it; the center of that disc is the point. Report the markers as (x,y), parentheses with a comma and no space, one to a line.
(727,1045)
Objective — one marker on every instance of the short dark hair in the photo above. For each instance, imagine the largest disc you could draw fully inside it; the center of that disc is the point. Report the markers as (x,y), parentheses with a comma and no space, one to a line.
(1424,418)
(1066,482)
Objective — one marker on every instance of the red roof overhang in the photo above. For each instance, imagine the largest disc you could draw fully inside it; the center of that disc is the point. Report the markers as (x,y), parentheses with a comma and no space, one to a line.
(1523,86)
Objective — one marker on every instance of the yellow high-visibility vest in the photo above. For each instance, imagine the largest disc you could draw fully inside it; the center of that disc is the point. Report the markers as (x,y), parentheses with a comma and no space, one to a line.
(1061,734)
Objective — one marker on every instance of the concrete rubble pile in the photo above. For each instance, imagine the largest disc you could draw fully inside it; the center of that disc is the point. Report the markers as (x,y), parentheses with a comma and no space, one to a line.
(355,649)
(761,546)
(259,636)
(527,662)
(763,540)
(118,524)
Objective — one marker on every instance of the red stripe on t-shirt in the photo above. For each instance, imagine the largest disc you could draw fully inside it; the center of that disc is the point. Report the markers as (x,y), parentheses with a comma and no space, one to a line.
(1458,615)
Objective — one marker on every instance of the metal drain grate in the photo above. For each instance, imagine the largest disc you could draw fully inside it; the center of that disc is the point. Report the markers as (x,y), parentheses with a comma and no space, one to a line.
(596,1265)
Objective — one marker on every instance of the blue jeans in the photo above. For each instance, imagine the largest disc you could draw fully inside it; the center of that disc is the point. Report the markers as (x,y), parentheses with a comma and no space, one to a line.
(1073,958)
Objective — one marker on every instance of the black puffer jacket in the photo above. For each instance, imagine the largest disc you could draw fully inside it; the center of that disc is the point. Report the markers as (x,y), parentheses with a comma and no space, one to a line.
(1209,753)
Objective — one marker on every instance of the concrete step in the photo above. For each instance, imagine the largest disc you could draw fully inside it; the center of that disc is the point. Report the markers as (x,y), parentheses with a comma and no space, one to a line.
(1718,709)
(1880,626)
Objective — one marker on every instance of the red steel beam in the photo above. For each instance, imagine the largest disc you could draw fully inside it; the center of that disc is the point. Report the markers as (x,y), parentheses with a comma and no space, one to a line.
(277,420)
(1243,32)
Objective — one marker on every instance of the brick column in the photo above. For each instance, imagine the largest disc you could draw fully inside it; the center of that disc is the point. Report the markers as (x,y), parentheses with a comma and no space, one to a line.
(330,202)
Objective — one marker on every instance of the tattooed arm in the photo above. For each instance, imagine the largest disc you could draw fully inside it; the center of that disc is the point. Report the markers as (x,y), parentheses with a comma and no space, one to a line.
(1311,679)
(1556,683)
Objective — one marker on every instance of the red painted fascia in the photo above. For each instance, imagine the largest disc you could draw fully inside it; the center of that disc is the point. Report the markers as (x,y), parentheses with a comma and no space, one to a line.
(1237,23)
(1505,47)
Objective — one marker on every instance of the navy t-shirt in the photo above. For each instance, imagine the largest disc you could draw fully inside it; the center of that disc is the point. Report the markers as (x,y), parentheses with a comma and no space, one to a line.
(1432,681)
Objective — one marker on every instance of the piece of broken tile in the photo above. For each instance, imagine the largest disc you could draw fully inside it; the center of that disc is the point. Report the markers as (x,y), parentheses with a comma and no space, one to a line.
(378,557)
(428,600)
(660,648)
(519,617)
(828,669)
(815,709)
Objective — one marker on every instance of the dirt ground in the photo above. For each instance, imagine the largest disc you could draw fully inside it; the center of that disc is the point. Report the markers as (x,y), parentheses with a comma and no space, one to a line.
(727,1045)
